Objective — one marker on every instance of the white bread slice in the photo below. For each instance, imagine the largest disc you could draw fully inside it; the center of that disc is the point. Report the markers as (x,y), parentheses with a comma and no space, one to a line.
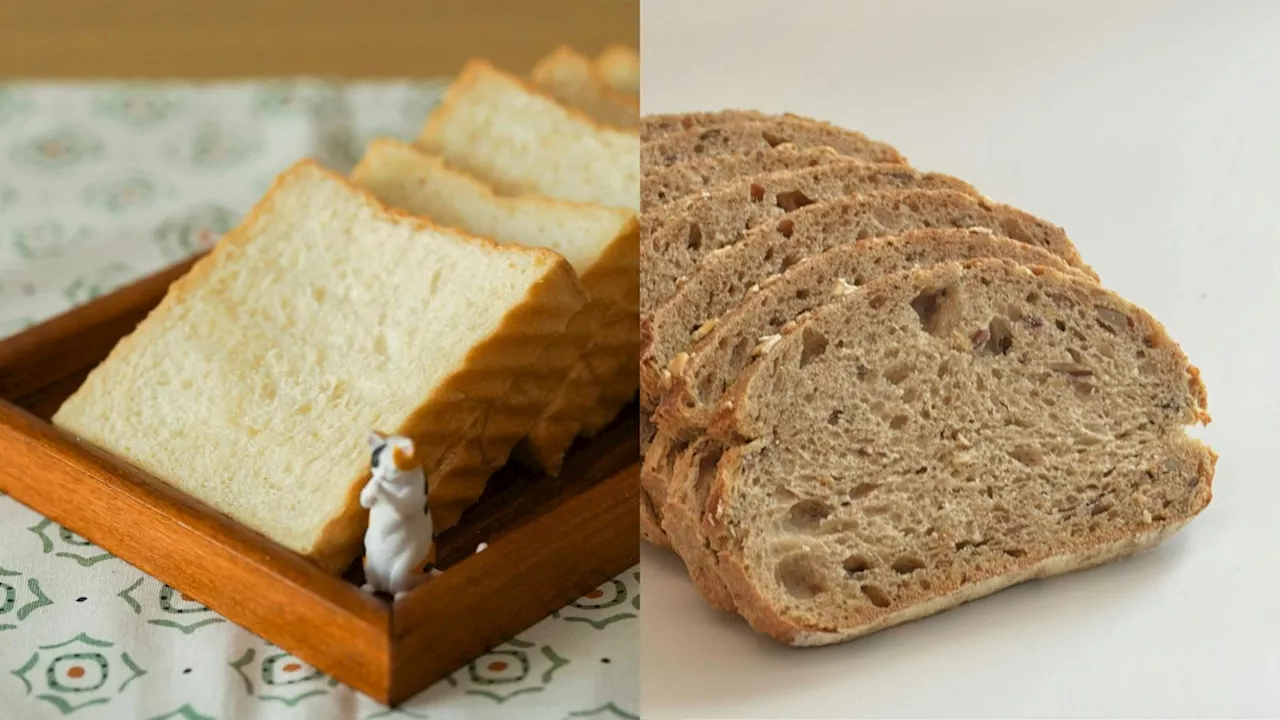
(600,243)
(570,77)
(254,383)
(499,128)
(944,433)
(619,65)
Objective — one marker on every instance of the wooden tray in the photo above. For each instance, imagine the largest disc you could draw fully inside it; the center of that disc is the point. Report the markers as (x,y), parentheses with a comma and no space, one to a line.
(551,540)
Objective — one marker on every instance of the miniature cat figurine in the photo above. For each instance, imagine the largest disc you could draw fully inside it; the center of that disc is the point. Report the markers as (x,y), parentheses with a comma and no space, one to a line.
(400,543)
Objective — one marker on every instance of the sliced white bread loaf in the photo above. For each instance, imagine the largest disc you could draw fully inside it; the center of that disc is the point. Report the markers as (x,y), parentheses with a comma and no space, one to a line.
(619,65)
(654,127)
(941,434)
(678,235)
(571,78)
(659,186)
(499,128)
(741,137)
(732,341)
(725,276)
(253,385)
(600,243)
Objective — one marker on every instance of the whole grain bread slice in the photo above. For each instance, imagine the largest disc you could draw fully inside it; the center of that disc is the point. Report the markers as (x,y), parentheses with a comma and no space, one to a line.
(654,127)
(725,276)
(732,341)
(741,137)
(676,237)
(942,434)
(663,185)
(721,348)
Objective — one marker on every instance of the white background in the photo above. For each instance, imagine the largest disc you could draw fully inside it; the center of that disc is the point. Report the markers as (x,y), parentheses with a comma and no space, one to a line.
(1151,132)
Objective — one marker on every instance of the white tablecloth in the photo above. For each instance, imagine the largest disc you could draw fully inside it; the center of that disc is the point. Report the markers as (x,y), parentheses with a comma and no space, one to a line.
(103,183)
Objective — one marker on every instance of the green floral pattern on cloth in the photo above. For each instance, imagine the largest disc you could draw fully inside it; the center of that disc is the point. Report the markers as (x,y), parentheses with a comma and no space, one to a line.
(102,183)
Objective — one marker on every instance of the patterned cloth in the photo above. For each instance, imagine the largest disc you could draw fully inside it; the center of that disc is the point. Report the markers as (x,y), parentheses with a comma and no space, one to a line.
(103,183)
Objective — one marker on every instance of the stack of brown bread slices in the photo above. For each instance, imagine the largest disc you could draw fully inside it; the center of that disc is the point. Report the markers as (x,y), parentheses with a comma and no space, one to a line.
(869,393)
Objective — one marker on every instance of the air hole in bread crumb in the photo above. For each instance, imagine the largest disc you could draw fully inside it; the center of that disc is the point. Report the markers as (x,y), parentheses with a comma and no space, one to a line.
(694,238)
(834,417)
(876,595)
(910,395)
(1015,552)
(1060,325)
(807,515)
(898,372)
(815,344)
(786,226)
(792,200)
(741,350)
(898,422)
(925,584)
(927,305)
(856,563)
(970,544)
(999,337)
(802,294)
(907,564)
(1033,297)
(800,576)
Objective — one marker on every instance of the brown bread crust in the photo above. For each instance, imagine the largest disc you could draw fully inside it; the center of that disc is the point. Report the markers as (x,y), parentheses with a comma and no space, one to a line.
(739,137)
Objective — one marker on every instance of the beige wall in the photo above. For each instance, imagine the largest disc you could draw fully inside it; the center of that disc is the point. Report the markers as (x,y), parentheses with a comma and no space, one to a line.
(343,38)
